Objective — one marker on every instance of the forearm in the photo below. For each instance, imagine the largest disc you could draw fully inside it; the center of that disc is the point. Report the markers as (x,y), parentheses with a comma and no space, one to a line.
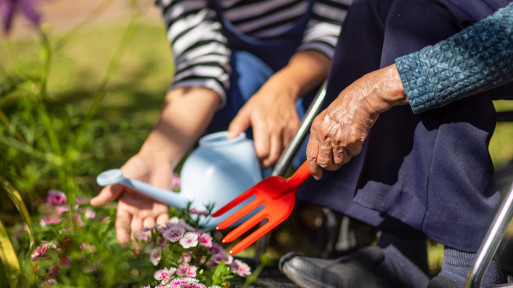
(305,70)
(185,115)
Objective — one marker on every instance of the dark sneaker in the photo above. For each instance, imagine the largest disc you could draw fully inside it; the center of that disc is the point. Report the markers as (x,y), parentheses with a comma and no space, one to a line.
(354,270)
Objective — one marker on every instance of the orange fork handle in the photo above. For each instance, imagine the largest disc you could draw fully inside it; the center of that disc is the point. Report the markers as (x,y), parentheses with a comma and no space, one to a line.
(300,176)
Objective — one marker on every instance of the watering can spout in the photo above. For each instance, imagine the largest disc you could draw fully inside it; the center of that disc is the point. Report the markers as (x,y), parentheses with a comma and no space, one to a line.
(115,176)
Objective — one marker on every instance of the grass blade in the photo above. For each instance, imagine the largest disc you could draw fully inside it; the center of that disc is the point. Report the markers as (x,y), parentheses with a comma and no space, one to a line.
(20,205)
(9,259)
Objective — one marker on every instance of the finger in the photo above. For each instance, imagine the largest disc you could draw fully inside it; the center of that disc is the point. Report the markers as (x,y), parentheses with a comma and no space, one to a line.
(123,220)
(276,147)
(149,222)
(162,219)
(261,138)
(108,194)
(312,150)
(338,155)
(325,156)
(136,226)
(239,124)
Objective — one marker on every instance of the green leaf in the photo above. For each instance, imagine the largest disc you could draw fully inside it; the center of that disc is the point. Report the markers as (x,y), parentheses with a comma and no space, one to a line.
(9,259)
(217,277)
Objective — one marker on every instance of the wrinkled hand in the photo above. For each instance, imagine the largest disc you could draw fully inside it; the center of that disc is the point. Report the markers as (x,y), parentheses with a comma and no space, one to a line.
(272,114)
(135,210)
(338,133)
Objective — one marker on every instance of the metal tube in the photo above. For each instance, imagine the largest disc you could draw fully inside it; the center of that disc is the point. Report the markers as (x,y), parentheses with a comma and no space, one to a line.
(288,155)
(491,242)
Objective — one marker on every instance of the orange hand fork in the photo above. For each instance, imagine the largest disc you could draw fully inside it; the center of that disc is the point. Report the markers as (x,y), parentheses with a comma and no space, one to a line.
(276,194)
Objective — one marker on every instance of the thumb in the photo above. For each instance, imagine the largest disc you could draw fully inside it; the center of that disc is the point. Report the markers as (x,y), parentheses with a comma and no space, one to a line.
(239,124)
(108,194)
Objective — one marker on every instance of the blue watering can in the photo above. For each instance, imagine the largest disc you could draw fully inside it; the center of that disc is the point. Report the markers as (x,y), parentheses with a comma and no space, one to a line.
(215,173)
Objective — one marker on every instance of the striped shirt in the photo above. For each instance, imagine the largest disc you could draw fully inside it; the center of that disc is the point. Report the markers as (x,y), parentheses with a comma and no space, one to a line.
(200,51)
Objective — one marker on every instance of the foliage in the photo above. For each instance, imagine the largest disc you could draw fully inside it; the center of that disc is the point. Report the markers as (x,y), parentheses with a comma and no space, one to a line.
(77,247)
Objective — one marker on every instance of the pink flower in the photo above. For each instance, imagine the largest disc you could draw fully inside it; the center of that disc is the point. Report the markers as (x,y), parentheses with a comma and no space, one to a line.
(216,249)
(56,197)
(240,268)
(164,274)
(186,270)
(185,283)
(161,241)
(173,233)
(66,262)
(49,282)
(54,270)
(8,8)
(190,239)
(88,247)
(180,222)
(78,220)
(61,209)
(217,258)
(186,257)
(155,256)
(39,252)
(49,221)
(205,240)
(175,182)
(198,212)
(89,213)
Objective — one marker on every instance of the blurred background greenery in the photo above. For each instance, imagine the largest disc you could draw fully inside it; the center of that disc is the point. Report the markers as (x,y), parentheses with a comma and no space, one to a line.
(134,93)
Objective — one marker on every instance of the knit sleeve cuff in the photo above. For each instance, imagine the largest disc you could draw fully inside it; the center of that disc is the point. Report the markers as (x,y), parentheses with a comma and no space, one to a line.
(416,83)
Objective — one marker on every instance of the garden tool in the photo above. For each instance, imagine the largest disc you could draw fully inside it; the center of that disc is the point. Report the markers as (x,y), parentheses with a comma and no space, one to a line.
(277,196)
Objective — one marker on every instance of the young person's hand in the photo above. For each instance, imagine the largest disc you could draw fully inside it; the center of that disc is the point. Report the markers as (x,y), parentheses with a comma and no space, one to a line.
(175,133)
(136,210)
(272,111)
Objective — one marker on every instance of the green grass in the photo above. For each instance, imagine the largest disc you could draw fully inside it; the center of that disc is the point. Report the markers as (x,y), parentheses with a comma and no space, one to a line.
(135,91)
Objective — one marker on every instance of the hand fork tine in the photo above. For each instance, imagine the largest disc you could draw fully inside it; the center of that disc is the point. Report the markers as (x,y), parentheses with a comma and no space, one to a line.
(250,192)
(277,194)
(239,214)
(244,243)
(244,227)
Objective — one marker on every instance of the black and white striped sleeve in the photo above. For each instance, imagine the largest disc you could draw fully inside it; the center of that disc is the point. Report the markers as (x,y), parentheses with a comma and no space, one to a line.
(200,51)
(324,26)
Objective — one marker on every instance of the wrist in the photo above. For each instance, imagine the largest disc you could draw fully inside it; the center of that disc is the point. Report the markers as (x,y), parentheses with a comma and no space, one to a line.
(390,86)
(305,71)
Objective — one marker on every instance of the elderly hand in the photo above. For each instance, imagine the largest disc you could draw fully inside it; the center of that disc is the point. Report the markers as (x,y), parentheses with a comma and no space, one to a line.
(337,133)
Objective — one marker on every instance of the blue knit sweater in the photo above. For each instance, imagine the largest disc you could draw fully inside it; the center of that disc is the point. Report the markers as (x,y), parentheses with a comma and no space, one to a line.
(478,58)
